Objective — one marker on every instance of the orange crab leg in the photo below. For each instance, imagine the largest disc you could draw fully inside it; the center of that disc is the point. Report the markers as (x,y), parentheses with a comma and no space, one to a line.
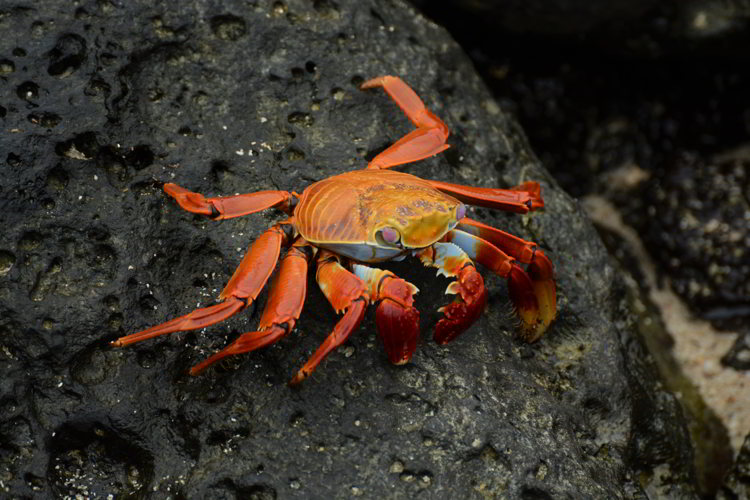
(519,199)
(471,296)
(533,294)
(282,311)
(397,318)
(345,292)
(430,136)
(243,288)
(229,206)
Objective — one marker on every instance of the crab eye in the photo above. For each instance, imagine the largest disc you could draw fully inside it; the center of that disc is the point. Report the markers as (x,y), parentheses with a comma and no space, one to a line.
(388,235)
(460,211)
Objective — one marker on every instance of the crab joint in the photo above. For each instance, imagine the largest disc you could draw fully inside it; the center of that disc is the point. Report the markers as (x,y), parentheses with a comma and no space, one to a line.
(471,296)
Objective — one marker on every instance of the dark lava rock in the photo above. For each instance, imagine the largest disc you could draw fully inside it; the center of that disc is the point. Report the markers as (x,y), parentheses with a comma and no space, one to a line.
(695,216)
(737,485)
(105,101)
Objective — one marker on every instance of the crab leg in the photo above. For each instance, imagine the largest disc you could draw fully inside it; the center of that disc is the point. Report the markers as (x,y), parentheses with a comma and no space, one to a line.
(429,137)
(229,206)
(397,318)
(471,296)
(519,199)
(346,292)
(532,293)
(283,308)
(243,288)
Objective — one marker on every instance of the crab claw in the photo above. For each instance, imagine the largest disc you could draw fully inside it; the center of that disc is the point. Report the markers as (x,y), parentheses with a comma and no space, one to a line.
(534,296)
(397,320)
(398,328)
(471,297)
(543,284)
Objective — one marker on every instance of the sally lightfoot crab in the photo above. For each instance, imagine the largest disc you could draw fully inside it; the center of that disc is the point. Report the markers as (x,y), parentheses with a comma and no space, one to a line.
(347,222)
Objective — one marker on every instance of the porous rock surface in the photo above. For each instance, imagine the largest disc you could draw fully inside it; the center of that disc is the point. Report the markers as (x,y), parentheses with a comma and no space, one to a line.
(105,101)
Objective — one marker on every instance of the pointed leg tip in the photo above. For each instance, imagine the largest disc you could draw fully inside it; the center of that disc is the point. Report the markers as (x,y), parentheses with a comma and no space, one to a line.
(372,83)
(532,333)
(202,366)
(298,378)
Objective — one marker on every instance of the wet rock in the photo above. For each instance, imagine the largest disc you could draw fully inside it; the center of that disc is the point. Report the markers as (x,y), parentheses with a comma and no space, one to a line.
(226,97)
(694,216)
(737,484)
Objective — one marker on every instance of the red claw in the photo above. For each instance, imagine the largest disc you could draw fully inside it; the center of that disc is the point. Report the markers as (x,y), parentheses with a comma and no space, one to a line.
(466,309)
(534,296)
(397,319)
(543,279)
(398,327)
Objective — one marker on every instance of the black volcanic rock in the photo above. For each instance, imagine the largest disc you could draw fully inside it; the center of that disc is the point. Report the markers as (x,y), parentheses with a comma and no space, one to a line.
(105,101)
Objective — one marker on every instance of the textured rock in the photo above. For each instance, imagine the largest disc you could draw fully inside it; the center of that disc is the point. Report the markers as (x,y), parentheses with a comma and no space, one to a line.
(737,485)
(106,101)
(701,237)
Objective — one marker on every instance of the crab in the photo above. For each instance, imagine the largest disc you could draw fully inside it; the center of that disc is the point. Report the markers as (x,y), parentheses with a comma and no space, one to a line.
(347,222)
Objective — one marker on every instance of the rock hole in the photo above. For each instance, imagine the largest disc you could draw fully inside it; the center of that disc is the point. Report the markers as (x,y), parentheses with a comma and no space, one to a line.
(338,94)
(103,255)
(45,120)
(83,146)
(97,87)
(311,67)
(7,259)
(114,322)
(297,418)
(112,303)
(279,9)
(13,160)
(148,304)
(7,66)
(19,52)
(30,241)
(113,164)
(298,73)
(140,157)
(378,17)
(218,169)
(534,493)
(100,459)
(294,154)
(228,27)
(326,8)
(28,91)
(67,56)
(218,394)
(302,119)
